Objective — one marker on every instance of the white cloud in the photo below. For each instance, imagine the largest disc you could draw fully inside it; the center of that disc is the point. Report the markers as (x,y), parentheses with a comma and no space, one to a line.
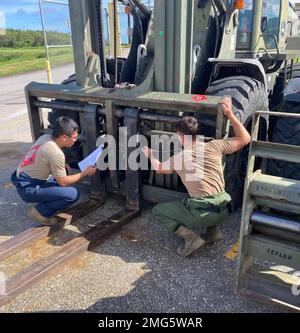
(10,6)
(2,284)
(29,6)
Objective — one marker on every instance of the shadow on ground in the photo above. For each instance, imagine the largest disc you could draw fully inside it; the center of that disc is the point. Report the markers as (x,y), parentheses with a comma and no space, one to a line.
(12,210)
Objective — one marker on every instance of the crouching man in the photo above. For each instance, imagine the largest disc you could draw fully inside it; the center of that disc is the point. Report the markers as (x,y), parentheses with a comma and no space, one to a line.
(208,203)
(41,176)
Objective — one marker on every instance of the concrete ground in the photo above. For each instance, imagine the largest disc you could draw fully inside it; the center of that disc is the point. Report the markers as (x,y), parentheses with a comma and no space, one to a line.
(14,125)
(135,270)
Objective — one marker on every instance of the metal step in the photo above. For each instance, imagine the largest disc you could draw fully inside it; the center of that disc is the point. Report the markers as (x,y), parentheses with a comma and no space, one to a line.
(277,151)
(273,250)
(272,238)
(275,188)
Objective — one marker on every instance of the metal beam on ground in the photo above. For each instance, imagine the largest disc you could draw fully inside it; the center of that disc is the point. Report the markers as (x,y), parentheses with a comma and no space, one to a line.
(24,239)
(37,271)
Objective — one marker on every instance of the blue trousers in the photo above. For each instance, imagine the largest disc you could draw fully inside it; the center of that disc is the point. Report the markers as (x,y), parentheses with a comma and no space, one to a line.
(50,196)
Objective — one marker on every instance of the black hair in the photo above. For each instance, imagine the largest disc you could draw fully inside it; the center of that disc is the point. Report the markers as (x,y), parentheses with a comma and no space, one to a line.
(188,126)
(64,126)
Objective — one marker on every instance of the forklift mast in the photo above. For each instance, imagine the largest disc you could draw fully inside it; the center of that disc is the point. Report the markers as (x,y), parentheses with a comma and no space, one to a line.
(179,37)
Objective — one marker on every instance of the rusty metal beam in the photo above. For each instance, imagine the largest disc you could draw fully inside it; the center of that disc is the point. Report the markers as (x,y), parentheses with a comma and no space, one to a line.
(31,235)
(42,268)
(133,178)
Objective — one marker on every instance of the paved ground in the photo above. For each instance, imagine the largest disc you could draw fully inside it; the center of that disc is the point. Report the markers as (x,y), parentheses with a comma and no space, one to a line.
(135,270)
(14,125)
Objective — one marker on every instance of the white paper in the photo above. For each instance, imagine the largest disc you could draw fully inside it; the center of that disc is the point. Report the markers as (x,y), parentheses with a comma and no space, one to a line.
(91,159)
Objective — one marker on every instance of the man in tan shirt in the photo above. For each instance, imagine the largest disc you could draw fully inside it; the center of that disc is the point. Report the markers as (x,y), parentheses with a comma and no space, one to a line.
(199,166)
(41,176)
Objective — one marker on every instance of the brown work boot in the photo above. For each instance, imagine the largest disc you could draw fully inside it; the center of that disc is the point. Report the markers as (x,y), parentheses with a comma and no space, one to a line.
(213,234)
(192,241)
(33,214)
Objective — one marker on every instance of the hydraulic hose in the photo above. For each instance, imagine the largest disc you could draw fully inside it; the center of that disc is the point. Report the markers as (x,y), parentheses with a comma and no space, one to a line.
(115,43)
(100,42)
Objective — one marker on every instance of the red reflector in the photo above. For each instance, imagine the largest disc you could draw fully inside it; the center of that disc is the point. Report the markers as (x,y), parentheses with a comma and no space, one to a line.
(199,98)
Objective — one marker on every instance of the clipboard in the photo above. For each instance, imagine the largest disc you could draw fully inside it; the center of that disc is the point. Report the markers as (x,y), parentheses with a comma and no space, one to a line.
(91,159)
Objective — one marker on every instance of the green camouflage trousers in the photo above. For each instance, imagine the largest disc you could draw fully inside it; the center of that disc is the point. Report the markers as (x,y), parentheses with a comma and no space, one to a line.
(197,213)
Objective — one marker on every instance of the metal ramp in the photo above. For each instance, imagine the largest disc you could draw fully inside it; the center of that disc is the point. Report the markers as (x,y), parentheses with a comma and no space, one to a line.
(269,254)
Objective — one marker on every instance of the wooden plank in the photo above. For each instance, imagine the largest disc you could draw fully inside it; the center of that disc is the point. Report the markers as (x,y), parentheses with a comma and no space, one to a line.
(42,268)
(31,235)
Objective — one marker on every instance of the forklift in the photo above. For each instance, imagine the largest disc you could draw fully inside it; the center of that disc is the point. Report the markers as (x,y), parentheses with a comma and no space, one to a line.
(184,56)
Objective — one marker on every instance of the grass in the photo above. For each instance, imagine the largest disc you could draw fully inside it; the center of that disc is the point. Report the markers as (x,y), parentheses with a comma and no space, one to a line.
(16,61)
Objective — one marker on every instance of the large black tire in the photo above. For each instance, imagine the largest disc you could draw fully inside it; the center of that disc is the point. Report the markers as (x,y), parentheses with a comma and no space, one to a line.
(277,101)
(248,95)
(276,98)
(286,131)
(296,71)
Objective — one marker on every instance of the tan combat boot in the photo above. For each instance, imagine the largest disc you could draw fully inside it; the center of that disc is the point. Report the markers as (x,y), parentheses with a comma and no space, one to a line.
(213,234)
(192,241)
(33,214)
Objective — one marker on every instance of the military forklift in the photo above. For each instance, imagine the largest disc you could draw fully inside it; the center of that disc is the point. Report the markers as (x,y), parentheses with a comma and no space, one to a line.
(185,55)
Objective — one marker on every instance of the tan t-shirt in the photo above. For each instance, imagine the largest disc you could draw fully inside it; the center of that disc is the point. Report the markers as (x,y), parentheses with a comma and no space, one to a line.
(44,159)
(202,173)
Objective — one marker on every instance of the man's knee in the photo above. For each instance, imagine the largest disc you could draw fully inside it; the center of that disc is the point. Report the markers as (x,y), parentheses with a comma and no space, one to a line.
(72,194)
(165,217)
(23,195)
(158,210)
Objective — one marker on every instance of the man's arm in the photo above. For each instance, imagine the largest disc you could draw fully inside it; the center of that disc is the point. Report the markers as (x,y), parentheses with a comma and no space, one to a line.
(158,166)
(69,180)
(242,137)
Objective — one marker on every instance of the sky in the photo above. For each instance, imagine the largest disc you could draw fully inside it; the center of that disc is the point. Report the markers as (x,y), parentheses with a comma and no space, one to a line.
(25,15)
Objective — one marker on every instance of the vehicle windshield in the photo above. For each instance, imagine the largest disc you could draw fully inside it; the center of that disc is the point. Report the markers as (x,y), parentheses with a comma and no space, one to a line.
(271,10)
(244,32)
